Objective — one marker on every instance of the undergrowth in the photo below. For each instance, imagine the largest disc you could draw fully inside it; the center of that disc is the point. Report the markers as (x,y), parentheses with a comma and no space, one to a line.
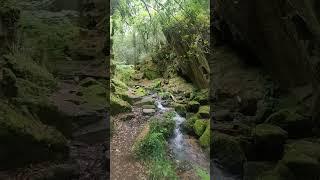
(152,148)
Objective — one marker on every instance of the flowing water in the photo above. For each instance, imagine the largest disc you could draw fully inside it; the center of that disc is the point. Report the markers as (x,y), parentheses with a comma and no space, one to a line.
(186,148)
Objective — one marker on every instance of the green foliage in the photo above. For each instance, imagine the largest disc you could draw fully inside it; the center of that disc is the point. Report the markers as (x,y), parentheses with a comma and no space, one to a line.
(152,147)
(124,73)
(165,126)
(162,169)
(203,174)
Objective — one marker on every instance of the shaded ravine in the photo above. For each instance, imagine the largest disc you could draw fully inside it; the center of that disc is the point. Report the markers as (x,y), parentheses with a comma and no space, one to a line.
(186,148)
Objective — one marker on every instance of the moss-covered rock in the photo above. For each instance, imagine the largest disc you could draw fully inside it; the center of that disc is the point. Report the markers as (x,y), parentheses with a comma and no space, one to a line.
(269,138)
(290,120)
(88,82)
(25,140)
(118,105)
(95,96)
(205,138)
(26,68)
(201,96)
(200,126)
(188,125)
(180,109)
(193,106)
(227,150)
(300,161)
(204,112)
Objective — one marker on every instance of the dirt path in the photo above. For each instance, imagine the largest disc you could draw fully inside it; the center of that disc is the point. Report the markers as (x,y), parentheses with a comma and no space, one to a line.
(123,164)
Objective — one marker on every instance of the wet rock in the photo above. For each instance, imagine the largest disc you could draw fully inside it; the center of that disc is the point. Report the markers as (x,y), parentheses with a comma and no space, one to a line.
(148,107)
(290,120)
(269,138)
(148,111)
(204,112)
(193,106)
(145,101)
(228,152)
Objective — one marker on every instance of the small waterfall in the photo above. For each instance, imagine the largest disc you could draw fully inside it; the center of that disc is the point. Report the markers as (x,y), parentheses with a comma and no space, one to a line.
(177,142)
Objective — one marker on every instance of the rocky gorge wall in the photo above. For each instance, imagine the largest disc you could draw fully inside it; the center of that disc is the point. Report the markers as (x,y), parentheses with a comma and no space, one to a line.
(265,87)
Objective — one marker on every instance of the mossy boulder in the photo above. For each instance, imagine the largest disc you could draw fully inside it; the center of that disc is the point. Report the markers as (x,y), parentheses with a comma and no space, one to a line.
(200,126)
(180,109)
(204,112)
(269,138)
(205,137)
(25,140)
(188,124)
(94,96)
(300,161)
(227,150)
(26,68)
(193,106)
(295,124)
(47,112)
(201,96)
(118,105)
(146,101)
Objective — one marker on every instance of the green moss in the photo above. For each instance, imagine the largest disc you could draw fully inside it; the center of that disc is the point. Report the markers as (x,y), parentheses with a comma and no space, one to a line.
(203,174)
(189,123)
(228,152)
(124,73)
(180,108)
(151,74)
(152,147)
(204,112)
(94,95)
(164,95)
(200,126)
(290,120)
(201,96)
(118,105)
(26,68)
(205,138)
(193,106)
(140,91)
(26,140)
(163,169)
(165,125)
